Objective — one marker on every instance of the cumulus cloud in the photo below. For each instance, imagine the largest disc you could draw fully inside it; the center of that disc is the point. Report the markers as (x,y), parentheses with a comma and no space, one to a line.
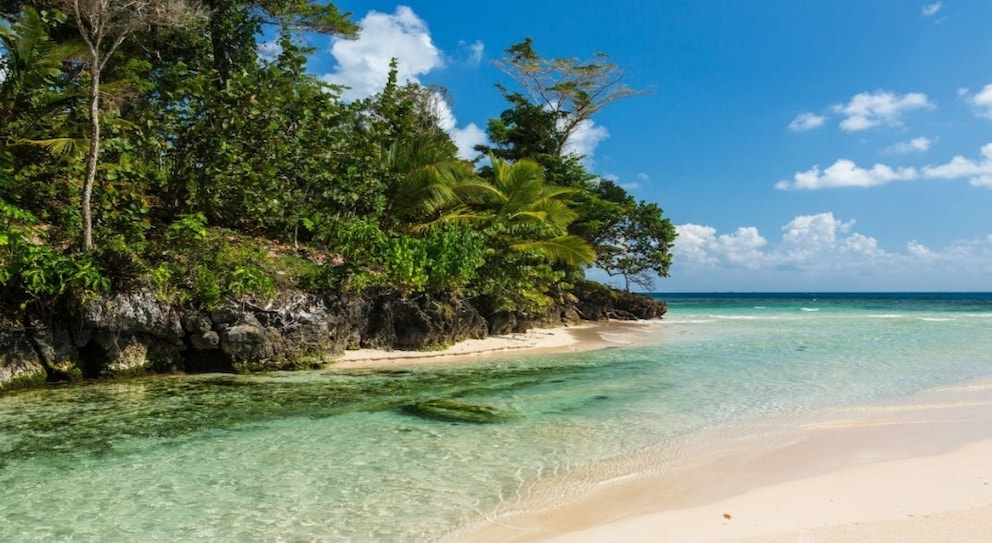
(696,244)
(584,139)
(806,121)
(982,101)
(701,244)
(868,110)
(807,240)
(825,250)
(363,64)
(978,172)
(930,10)
(919,250)
(465,138)
(915,145)
(814,231)
(845,173)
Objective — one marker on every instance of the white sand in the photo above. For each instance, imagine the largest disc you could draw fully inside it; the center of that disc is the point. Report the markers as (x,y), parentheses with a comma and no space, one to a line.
(573,338)
(917,470)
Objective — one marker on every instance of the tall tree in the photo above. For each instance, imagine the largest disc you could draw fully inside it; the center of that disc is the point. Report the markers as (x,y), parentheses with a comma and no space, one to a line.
(524,222)
(631,239)
(103,25)
(573,90)
(234,24)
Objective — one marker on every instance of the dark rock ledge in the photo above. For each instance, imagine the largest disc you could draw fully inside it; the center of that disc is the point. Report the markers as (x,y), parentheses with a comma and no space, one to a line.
(134,333)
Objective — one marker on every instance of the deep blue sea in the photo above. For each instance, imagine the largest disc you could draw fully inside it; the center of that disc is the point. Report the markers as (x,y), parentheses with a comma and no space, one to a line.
(339,455)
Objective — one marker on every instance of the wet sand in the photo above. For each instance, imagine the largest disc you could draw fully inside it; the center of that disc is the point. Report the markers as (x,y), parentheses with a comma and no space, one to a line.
(917,469)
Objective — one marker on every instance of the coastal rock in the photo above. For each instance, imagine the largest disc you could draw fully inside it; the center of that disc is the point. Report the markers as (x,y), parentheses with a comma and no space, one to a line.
(134,312)
(420,322)
(133,332)
(56,349)
(600,302)
(20,364)
(294,330)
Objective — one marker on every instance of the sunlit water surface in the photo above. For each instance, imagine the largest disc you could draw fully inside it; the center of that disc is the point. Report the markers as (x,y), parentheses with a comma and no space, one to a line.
(341,456)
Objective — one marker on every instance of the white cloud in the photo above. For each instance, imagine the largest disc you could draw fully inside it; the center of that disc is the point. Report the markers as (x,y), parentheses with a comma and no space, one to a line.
(584,139)
(363,64)
(930,10)
(845,173)
(700,244)
(868,110)
(983,101)
(821,251)
(742,247)
(473,52)
(806,121)
(978,172)
(915,145)
(919,250)
(819,240)
(465,138)
(696,244)
(814,231)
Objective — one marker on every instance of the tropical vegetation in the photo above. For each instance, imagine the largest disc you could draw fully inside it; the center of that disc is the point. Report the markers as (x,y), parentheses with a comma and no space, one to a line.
(149,144)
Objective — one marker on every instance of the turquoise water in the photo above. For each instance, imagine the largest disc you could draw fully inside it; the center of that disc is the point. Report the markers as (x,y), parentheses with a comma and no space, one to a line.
(341,456)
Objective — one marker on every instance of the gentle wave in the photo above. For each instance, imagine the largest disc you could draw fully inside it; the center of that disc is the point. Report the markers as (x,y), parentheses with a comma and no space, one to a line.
(809,309)
(688,321)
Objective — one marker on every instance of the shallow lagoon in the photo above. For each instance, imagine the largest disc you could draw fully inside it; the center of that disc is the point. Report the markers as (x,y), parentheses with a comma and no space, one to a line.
(341,456)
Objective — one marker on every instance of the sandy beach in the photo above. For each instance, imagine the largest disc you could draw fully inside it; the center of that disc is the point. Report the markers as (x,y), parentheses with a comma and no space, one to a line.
(914,470)
(918,469)
(574,338)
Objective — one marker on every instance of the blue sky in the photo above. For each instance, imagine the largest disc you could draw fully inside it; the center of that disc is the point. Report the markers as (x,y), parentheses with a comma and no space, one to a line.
(823,145)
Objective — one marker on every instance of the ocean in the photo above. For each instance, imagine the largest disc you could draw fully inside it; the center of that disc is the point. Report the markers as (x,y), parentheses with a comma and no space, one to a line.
(377,455)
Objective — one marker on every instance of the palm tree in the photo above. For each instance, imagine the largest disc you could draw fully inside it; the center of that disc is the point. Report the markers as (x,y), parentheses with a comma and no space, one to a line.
(529,215)
(31,108)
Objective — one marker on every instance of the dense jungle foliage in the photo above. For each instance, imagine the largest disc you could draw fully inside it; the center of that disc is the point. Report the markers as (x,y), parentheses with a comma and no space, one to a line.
(146,143)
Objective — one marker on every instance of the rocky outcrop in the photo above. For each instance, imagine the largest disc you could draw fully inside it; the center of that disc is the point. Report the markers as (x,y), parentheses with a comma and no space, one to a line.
(134,333)
(20,364)
(424,321)
(599,302)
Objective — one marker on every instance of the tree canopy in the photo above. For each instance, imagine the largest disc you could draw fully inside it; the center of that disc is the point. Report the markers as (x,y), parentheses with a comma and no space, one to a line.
(146,144)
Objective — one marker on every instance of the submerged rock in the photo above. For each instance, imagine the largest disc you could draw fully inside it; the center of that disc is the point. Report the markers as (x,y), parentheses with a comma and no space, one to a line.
(456,411)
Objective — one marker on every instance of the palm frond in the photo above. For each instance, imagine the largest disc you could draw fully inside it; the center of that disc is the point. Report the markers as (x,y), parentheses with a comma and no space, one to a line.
(58,146)
(570,250)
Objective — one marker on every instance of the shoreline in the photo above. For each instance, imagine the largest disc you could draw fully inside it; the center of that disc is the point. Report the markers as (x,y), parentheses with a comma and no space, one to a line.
(586,336)
(917,468)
